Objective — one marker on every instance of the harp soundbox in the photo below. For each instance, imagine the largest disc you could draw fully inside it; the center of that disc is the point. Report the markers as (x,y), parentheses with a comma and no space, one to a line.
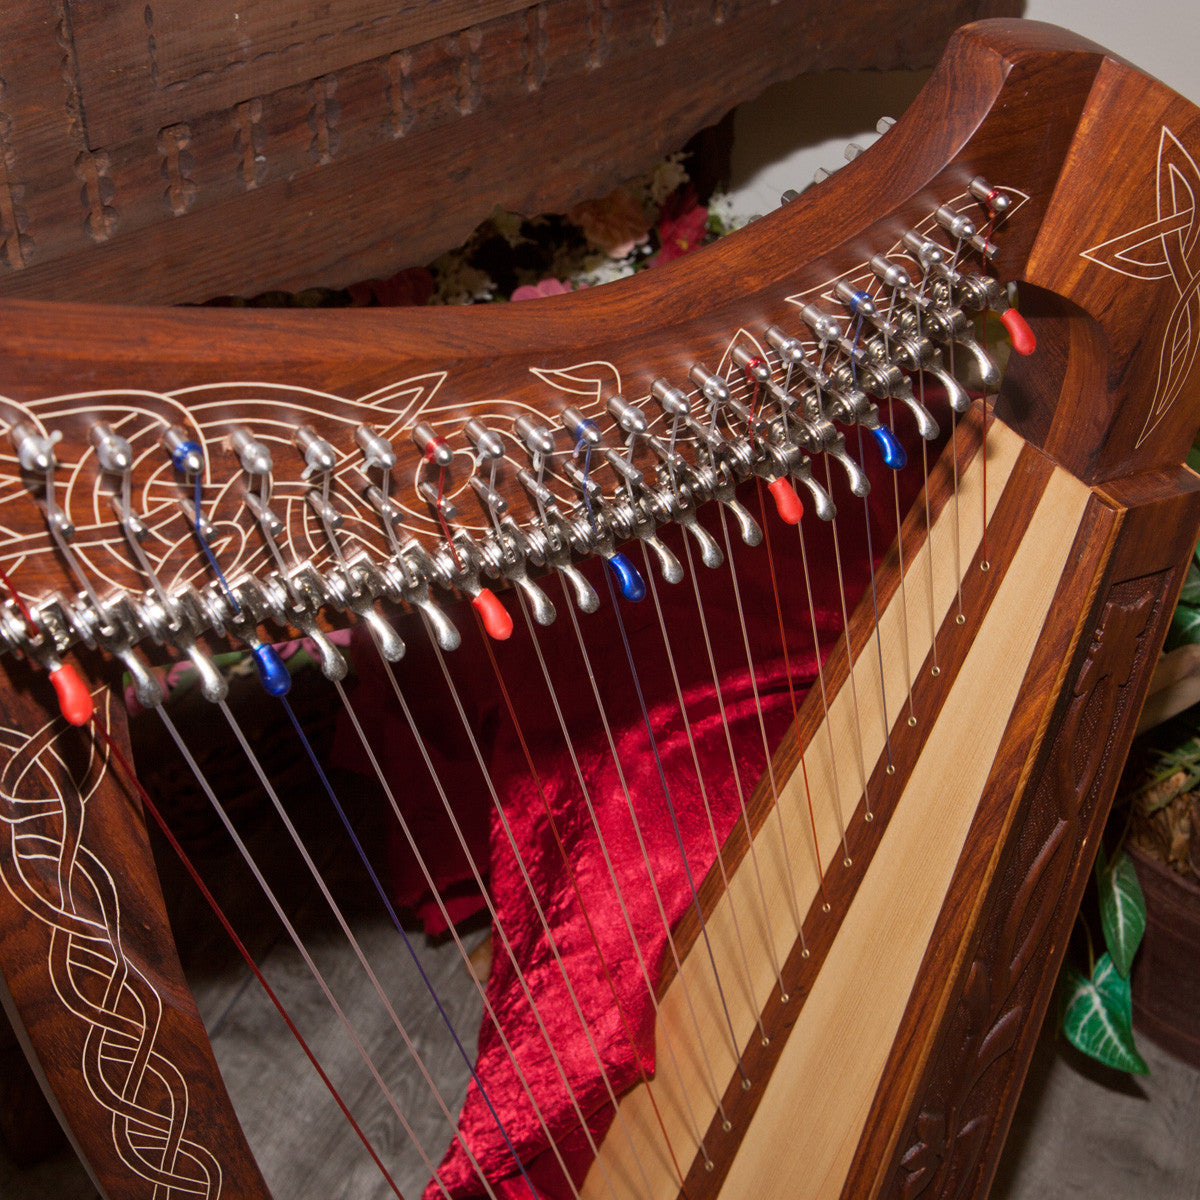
(848,995)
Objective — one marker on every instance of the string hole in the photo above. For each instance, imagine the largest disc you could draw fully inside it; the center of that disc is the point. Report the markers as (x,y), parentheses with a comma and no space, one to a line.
(745,1085)
(764,1041)
(912,722)
(960,619)
(891,769)
(935,672)
(708,1164)
(869,815)
(847,861)
(824,907)
(985,565)
(726,1126)
(784,997)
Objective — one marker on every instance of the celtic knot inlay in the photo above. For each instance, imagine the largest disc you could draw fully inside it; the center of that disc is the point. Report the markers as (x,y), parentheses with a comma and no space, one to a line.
(1165,248)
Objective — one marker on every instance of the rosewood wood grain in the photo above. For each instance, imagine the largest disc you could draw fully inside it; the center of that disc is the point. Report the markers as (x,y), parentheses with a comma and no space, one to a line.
(1033,846)
(92,981)
(288,144)
(989,962)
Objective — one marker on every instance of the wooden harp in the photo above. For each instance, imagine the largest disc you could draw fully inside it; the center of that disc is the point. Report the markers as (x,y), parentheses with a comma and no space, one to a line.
(955,836)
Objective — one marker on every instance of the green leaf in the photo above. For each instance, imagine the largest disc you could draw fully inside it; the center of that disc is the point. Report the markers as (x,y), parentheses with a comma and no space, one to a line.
(1122,911)
(1185,626)
(1191,585)
(1098,1017)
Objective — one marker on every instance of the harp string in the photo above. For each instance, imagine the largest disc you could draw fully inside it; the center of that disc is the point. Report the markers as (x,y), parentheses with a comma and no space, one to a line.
(580,902)
(381,891)
(734,768)
(899,544)
(519,858)
(240,946)
(488,1007)
(850,660)
(500,931)
(343,922)
(675,828)
(833,758)
(651,992)
(787,674)
(718,850)
(699,1043)
(787,859)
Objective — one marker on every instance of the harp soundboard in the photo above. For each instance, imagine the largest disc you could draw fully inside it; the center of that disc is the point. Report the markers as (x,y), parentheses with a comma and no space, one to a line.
(844,1000)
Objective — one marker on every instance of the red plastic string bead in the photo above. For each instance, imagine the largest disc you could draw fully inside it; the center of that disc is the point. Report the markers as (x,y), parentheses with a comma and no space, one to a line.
(787,503)
(494,615)
(1023,340)
(74,699)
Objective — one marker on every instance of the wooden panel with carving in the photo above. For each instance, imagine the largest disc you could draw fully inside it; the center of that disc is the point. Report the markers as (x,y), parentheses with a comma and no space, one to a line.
(168,152)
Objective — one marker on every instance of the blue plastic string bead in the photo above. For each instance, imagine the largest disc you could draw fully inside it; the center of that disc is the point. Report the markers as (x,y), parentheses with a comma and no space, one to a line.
(272,674)
(629,578)
(889,448)
(182,453)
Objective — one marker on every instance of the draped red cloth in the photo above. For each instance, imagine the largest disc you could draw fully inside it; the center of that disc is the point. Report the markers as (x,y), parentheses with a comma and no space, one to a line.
(596,950)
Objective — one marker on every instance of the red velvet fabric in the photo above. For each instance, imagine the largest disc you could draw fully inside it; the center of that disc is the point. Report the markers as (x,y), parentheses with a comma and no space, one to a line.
(610,1020)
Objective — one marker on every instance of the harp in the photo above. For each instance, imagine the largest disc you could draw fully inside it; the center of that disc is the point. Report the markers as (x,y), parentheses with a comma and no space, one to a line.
(880,1031)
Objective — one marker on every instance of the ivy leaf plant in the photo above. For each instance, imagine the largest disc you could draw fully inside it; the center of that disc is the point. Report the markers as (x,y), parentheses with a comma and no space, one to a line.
(1122,910)
(1097,1009)
(1098,1016)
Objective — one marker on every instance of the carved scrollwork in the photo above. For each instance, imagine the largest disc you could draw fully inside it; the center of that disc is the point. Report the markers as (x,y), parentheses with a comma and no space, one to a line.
(946,1141)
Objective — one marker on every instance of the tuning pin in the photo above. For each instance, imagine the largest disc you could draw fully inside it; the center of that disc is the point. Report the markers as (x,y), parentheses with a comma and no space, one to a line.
(272,673)
(35,452)
(888,273)
(630,419)
(489,446)
(961,228)
(493,614)
(929,255)
(674,401)
(583,430)
(186,455)
(996,202)
(856,300)
(821,174)
(113,452)
(884,124)
(788,195)
(629,579)
(787,503)
(852,151)
(539,441)
(376,450)
(712,387)
(821,323)
(319,456)
(432,445)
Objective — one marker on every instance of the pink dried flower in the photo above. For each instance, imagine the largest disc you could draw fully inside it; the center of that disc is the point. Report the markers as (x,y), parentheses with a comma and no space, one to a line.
(547,287)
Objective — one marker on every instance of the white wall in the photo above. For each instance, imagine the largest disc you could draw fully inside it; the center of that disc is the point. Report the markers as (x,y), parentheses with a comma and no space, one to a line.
(792,129)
